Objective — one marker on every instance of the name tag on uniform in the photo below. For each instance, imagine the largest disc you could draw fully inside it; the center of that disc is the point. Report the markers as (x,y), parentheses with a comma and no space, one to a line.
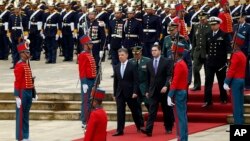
(220,38)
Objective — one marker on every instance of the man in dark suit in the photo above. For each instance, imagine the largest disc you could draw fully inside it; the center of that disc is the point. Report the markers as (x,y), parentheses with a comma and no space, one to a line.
(159,74)
(125,89)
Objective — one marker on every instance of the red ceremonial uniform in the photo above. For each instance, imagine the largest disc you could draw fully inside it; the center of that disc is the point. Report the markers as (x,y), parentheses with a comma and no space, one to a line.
(87,66)
(23,76)
(237,66)
(227,23)
(97,126)
(180,78)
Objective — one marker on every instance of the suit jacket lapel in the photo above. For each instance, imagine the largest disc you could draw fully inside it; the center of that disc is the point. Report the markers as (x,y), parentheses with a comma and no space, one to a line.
(158,68)
(125,71)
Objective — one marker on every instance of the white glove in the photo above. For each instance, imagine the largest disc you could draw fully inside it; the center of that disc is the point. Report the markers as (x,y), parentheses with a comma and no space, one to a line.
(108,46)
(27,41)
(35,99)
(25,37)
(85,88)
(18,102)
(74,35)
(226,87)
(57,36)
(170,103)
(101,54)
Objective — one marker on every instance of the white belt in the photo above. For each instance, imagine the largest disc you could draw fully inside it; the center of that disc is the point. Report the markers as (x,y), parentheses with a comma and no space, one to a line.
(33,23)
(16,27)
(96,41)
(51,25)
(248,16)
(115,35)
(195,23)
(149,30)
(131,35)
(66,24)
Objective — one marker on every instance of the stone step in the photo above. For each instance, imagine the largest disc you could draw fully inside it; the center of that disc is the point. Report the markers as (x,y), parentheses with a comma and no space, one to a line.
(230,119)
(54,96)
(57,115)
(59,105)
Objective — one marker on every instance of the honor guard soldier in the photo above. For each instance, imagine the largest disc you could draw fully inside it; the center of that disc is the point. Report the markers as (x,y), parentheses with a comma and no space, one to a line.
(194,14)
(4,18)
(247,10)
(35,27)
(141,67)
(235,11)
(51,31)
(87,73)
(166,12)
(80,20)
(226,25)
(18,26)
(23,92)
(95,30)
(102,15)
(216,62)
(25,6)
(244,30)
(178,90)
(115,36)
(69,31)
(213,8)
(188,8)
(199,48)
(98,120)
(132,32)
(235,79)
(151,29)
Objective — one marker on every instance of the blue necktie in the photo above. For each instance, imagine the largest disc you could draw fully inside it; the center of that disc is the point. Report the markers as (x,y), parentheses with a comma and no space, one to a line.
(122,69)
(155,66)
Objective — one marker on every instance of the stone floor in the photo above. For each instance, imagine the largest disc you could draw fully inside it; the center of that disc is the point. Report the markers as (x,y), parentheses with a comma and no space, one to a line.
(63,77)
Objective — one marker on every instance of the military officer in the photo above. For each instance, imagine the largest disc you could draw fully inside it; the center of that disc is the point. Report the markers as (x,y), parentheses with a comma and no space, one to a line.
(95,29)
(167,51)
(244,30)
(87,74)
(247,10)
(17,29)
(216,59)
(132,32)
(178,89)
(141,67)
(4,18)
(23,92)
(68,31)
(213,8)
(35,27)
(115,36)
(151,29)
(194,13)
(81,18)
(235,11)
(97,124)
(199,48)
(102,15)
(51,32)
(235,79)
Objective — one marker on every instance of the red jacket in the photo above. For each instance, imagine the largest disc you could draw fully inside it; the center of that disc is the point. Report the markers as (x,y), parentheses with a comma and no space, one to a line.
(23,76)
(237,66)
(183,29)
(87,66)
(227,23)
(97,126)
(180,78)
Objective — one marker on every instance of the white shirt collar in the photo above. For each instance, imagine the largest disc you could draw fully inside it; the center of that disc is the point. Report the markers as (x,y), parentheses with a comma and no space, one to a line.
(215,32)
(125,63)
(158,58)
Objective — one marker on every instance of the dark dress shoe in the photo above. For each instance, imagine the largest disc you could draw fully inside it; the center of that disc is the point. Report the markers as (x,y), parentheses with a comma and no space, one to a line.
(118,134)
(206,104)
(168,131)
(144,131)
(223,102)
(195,89)
(48,62)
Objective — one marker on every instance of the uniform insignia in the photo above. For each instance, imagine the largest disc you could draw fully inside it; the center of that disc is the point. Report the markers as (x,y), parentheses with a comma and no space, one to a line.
(220,38)
(144,67)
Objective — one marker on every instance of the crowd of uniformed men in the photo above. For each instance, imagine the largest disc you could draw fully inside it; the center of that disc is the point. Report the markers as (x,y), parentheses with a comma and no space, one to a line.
(206,30)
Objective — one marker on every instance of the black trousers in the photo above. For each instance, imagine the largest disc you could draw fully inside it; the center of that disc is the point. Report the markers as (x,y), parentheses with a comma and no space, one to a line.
(133,105)
(168,115)
(209,80)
